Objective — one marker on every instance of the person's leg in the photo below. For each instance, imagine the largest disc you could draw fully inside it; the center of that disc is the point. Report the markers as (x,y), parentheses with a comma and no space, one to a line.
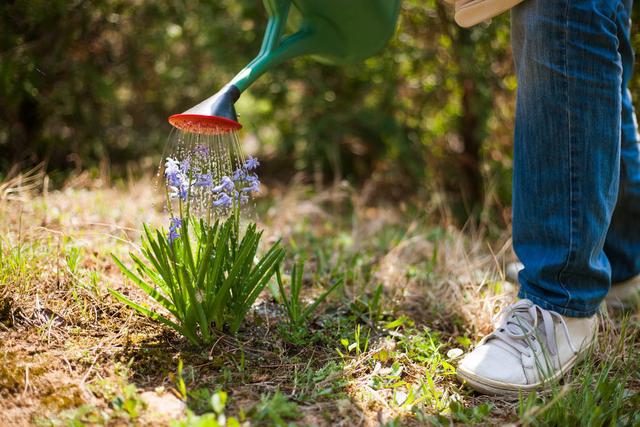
(565,186)
(622,245)
(567,149)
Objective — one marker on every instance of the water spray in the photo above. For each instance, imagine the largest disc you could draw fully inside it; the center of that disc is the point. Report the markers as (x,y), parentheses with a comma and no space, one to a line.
(331,31)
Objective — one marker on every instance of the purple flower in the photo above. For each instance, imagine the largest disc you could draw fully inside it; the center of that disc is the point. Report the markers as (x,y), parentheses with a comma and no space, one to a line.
(203,180)
(184,166)
(251,163)
(174,179)
(252,184)
(239,174)
(173,173)
(241,198)
(202,150)
(226,184)
(223,200)
(176,224)
(171,166)
(181,191)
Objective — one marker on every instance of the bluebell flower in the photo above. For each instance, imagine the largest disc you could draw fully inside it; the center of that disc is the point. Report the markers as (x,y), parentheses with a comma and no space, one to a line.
(202,150)
(176,224)
(226,184)
(183,192)
(175,174)
(241,198)
(172,172)
(251,163)
(252,184)
(223,200)
(184,166)
(239,174)
(174,179)
(203,180)
(171,166)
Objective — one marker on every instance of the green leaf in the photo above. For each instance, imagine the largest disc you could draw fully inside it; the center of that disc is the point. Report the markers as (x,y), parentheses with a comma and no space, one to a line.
(311,308)
(153,315)
(285,299)
(161,299)
(273,265)
(229,281)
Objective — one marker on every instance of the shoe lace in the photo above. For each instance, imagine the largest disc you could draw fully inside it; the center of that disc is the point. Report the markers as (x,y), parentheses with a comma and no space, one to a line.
(520,323)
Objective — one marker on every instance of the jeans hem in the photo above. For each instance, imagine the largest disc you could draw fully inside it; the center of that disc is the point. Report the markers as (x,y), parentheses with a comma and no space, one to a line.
(623,281)
(558,309)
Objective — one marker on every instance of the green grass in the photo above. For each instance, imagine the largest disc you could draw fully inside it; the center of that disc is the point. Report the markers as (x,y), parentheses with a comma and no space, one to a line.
(601,393)
(379,348)
(298,312)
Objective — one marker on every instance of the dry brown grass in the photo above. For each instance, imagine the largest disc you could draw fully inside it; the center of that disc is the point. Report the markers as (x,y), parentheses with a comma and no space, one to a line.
(66,343)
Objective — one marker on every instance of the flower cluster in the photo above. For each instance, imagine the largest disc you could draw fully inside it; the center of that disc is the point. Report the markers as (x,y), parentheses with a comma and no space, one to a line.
(176,224)
(230,189)
(187,182)
(176,174)
(236,189)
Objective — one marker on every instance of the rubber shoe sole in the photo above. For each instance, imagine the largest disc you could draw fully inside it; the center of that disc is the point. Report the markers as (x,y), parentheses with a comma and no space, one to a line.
(498,388)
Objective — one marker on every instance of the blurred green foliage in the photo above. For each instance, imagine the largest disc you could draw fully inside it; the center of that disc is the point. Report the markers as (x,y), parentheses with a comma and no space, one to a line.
(84,82)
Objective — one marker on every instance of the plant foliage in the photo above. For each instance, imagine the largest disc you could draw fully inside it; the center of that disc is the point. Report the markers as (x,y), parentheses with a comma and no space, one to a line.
(206,277)
(297,311)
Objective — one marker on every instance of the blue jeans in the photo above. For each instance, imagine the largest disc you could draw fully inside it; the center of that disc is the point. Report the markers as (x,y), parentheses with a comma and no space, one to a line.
(576,182)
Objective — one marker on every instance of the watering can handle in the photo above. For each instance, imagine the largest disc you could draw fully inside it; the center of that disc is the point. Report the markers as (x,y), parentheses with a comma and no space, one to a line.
(278,11)
(275,48)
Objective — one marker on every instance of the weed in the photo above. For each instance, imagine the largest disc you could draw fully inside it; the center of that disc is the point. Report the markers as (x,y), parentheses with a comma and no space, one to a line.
(313,384)
(368,308)
(180,383)
(458,413)
(128,401)
(73,255)
(274,410)
(81,416)
(216,418)
(358,345)
(298,312)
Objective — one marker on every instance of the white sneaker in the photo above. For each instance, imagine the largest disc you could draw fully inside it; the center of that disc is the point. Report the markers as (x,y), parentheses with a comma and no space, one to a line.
(471,12)
(622,295)
(530,348)
(512,270)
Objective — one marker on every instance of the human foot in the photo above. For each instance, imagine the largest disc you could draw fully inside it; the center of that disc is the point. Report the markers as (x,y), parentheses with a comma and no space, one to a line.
(530,348)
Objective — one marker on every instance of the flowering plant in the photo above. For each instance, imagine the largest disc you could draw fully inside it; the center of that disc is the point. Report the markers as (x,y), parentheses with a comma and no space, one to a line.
(204,273)
(202,189)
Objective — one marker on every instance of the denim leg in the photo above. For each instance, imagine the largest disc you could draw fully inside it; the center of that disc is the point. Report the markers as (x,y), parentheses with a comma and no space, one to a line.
(566,150)
(622,245)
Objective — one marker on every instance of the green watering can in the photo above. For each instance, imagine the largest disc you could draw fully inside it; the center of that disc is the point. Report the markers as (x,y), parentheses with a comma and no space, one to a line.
(332,31)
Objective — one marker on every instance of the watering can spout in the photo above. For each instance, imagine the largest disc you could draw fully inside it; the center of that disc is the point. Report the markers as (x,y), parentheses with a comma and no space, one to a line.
(214,115)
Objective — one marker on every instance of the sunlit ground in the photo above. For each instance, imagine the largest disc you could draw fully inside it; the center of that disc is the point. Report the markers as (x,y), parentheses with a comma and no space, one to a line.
(382,350)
